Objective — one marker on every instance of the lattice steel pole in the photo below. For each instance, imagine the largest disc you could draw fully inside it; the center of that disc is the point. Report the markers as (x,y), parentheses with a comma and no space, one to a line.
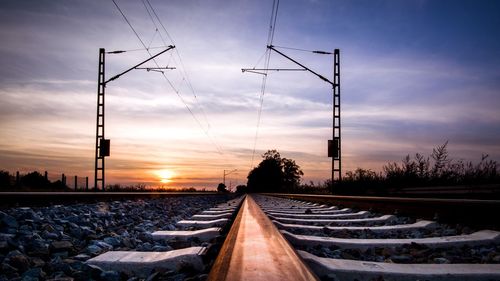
(336,134)
(99,136)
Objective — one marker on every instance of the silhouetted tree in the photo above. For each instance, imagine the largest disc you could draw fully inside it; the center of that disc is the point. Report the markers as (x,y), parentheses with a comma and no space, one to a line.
(267,176)
(291,174)
(221,188)
(241,189)
(5,179)
(34,180)
(274,174)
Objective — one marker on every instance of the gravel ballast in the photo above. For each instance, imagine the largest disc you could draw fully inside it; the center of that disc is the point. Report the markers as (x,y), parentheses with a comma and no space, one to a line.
(407,254)
(53,242)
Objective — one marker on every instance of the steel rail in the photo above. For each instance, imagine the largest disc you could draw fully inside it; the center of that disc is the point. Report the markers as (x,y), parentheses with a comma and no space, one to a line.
(255,250)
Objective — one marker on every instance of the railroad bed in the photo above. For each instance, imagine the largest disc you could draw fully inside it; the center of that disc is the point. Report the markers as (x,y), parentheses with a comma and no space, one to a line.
(346,244)
(192,253)
(271,238)
(330,243)
(73,241)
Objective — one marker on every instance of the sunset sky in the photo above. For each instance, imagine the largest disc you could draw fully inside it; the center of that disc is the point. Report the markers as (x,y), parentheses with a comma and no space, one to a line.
(414,74)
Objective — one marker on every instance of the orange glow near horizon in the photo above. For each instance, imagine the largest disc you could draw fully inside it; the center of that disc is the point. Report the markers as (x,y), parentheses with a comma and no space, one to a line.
(165,175)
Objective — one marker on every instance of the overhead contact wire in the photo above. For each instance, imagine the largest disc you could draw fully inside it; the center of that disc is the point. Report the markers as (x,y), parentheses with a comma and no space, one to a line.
(270,38)
(166,78)
(183,69)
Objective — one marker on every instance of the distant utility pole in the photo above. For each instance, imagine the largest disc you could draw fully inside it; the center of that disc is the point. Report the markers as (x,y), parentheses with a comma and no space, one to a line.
(334,145)
(227,173)
(102,145)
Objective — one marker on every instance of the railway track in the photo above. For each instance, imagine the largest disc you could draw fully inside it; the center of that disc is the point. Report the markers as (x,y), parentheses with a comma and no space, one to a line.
(56,236)
(347,244)
(207,226)
(471,212)
(288,237)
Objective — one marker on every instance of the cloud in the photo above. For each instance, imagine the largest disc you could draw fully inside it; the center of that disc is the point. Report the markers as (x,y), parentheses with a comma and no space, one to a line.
(404,89)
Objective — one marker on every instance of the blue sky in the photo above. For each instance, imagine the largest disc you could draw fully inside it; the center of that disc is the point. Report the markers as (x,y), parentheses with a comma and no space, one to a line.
(414,74)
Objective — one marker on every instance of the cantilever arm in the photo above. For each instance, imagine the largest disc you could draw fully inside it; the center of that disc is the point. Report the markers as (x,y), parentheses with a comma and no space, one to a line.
(139,64)
(301,65)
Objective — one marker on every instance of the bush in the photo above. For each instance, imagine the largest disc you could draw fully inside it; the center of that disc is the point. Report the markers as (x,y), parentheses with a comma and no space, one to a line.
(34,180)
(436,170)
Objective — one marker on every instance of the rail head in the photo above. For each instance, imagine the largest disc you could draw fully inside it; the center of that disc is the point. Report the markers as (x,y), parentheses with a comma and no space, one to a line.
(255,250)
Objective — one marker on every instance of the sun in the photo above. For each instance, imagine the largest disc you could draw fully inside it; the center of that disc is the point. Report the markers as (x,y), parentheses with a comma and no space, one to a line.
(165,175)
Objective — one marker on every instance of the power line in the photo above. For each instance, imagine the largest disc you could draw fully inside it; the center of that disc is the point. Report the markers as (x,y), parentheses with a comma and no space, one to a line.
(272,24)
(159,21)
(136,50)
(270,38)
(131,27)
(164,75)
(260,59)
(184,73)
(153,38)
(183,69)
(154,23)
(304,50)
(295,49)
